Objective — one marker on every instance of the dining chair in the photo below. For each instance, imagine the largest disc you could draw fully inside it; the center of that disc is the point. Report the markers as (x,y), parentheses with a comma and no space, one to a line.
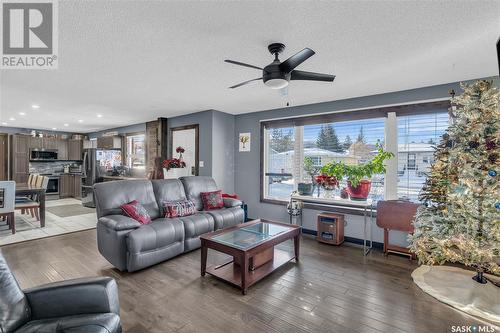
(7,203)
(33,205)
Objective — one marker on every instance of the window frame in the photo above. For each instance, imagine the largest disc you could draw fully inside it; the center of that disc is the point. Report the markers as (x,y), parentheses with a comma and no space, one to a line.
(349,115)
(126,150)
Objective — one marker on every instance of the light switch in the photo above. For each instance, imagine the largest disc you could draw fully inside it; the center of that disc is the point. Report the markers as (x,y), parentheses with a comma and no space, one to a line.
(202,164)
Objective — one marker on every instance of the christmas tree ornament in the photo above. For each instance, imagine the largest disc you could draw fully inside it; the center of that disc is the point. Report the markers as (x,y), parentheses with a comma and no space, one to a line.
(497,205)
(492,173)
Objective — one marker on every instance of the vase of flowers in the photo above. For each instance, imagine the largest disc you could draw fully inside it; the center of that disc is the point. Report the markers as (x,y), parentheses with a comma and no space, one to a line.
(175,167)
(328,183)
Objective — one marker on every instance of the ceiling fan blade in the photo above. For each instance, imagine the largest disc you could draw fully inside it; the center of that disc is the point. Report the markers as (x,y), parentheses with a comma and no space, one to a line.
(243,83)
(289,64)
(241,64)
(311,76)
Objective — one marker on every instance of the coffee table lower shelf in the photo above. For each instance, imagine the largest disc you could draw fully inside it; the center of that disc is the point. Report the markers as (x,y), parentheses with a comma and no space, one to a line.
(231,273)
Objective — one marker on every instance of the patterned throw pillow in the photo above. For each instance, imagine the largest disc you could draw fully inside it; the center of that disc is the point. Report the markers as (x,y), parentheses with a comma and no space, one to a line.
(179,208)
(212,200)
(136,211)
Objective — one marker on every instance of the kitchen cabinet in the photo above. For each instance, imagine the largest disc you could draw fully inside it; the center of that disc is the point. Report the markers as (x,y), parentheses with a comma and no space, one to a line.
(35,143)
(49,143)
(20,160)
(62,149)
(109,142)
(75,148)
(70,186)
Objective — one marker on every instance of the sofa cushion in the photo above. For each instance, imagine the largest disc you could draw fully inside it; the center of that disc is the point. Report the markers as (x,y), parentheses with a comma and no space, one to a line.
(212,200)
(90,323)
(167,190)
(194,185)
(111,195)
(156,235)
(178,208)
(227,217)
(14,308)
(136,211)
(196,225)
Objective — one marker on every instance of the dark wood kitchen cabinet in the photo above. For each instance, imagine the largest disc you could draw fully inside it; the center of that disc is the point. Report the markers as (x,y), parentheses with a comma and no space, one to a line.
(70,186)
(62,149)
(20,160)
(75,150)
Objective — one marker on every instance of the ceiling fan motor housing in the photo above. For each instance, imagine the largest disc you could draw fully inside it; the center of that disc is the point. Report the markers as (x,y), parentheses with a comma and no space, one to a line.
(272,73)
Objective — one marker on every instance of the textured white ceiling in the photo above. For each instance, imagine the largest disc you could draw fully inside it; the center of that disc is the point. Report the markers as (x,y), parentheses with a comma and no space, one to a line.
(133,61)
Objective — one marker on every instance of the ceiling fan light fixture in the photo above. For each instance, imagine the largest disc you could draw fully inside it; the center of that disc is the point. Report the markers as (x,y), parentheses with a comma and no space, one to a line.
(276,83)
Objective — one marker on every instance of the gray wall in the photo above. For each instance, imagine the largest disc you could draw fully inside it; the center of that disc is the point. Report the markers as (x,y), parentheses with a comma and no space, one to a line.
(223,140)
(247,164)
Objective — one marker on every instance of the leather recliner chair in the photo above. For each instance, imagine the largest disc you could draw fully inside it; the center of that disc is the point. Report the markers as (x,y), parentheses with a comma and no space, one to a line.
(81,305)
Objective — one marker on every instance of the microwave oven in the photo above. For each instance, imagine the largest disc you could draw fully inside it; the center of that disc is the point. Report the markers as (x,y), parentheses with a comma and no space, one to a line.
(43,154)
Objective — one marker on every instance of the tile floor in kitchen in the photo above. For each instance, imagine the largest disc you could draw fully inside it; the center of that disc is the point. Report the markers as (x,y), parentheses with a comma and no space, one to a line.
(28,228)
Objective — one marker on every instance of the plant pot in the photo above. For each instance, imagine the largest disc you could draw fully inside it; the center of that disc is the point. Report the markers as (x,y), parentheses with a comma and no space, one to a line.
(174,173)
(361,191)
(305,188)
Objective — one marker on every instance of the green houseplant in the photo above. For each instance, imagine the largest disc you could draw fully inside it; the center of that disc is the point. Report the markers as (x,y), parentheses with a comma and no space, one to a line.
(359,176)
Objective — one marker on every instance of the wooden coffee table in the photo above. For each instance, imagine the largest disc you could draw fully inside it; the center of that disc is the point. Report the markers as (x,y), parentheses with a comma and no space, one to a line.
(251,245)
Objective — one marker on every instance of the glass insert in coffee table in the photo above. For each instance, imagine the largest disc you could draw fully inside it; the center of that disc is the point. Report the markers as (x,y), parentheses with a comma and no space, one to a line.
(247,237)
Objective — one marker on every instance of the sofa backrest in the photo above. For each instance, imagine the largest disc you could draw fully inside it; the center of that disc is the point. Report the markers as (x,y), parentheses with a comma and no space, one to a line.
(110,196)
(14,308)
(168,190)
(194,185)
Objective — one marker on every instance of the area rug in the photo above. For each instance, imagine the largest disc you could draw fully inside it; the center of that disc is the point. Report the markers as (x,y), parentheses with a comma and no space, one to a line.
(70,210)
(455,287)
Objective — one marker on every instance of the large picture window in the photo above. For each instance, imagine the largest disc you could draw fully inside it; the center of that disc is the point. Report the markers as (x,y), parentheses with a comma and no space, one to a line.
(417,136)
(288,143)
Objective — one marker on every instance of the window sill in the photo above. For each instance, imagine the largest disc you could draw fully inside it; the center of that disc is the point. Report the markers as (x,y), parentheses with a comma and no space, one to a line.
(339,208)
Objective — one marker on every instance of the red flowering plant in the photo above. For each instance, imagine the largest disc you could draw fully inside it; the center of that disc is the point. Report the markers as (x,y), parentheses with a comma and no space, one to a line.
(327,182)
(175,163)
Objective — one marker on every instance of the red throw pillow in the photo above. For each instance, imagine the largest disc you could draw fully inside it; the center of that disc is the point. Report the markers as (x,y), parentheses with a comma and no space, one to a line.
(179,208)
(212,200)
(136,211)
(232,196)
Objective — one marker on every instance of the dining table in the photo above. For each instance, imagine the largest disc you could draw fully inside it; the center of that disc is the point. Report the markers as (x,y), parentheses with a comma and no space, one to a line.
(35,191)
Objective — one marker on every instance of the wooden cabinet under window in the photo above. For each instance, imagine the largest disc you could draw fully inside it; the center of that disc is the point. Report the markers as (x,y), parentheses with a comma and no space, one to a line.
(330,228)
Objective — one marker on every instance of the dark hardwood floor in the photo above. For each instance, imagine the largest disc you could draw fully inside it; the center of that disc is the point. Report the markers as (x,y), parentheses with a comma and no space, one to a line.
(332,289)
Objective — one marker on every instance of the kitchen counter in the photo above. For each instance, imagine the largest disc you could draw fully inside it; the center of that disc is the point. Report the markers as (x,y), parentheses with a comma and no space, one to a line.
(122,178)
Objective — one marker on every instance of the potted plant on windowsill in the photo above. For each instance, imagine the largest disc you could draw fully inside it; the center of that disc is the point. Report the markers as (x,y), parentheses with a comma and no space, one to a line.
(359,176)
(311,170)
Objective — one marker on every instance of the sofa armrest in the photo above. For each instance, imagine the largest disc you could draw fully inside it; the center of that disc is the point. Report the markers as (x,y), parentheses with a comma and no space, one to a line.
(230,202)
(119,222)
(74,297)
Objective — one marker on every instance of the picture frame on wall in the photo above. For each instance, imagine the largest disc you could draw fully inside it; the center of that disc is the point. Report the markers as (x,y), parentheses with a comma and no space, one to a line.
(244,141)
(2,198)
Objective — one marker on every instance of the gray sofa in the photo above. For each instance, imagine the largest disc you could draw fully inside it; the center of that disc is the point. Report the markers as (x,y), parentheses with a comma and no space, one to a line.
(131,246)
(80,305)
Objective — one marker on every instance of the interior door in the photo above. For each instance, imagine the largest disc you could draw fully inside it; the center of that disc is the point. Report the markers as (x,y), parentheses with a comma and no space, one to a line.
(186,137)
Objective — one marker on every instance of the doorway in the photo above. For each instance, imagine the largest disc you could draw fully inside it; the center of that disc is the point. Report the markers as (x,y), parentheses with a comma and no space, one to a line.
(186,137)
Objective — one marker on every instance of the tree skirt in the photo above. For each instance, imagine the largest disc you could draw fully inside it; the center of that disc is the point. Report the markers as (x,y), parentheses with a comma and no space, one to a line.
(454,286)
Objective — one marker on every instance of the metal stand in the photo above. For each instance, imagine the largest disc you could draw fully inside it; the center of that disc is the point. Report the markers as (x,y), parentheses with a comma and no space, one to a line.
(366,248)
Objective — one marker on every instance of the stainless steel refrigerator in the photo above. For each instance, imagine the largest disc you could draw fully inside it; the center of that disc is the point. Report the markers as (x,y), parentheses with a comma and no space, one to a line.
(96,164)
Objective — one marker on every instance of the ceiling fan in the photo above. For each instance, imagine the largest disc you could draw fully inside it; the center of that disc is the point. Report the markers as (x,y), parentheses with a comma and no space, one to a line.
(277,74)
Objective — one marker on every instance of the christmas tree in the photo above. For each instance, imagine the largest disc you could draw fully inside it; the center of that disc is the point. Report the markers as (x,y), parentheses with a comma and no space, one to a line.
(459,220)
